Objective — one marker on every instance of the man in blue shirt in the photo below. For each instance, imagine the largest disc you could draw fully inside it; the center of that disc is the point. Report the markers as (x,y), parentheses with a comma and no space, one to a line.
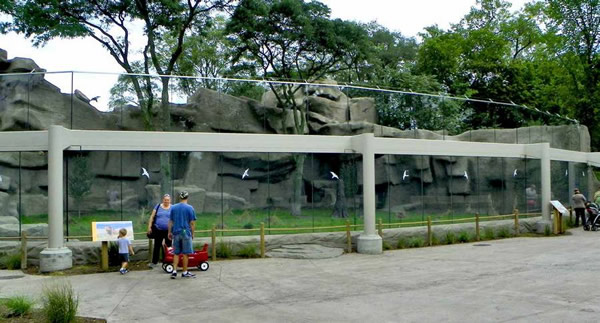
(182,224)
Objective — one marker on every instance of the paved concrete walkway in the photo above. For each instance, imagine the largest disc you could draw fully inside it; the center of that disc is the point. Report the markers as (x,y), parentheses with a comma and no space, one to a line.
(518,280)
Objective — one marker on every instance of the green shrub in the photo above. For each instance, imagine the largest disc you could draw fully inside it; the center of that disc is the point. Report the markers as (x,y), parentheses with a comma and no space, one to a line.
(248,226)
(547,231)
(402,243)
(569,223)
(488,234)
(18,306)
(11,261)
(249,251)
(503,233)
(60,302)
(416,242)
(435,240)
(386,246)
(224,250)
(463,237)
(450,237)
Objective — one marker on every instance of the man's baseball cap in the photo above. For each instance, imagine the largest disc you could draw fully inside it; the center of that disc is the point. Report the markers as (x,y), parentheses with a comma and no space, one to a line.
(184,195)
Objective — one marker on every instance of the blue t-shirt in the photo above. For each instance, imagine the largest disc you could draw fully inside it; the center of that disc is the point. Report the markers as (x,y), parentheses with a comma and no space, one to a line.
(123,245)
(161,218)
(181,215)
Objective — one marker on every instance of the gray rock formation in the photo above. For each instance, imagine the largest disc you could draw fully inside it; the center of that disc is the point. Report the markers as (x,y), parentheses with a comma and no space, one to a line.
(30,102)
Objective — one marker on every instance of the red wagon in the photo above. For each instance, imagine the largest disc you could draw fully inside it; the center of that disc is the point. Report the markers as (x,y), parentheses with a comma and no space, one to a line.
(197,259)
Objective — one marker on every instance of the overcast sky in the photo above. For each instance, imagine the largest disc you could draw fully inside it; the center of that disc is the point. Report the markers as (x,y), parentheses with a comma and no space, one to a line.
(407,16)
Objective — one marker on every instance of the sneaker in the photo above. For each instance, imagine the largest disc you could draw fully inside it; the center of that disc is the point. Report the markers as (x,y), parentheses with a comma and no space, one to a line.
(151,265)
(174,275)
(188,275)
(123,271)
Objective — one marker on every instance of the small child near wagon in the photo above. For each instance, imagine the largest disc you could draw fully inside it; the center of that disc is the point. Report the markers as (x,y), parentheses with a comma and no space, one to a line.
(125,249)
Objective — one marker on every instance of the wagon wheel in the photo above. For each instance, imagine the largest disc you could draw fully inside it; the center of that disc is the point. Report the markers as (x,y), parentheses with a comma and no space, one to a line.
(169,268)
(203,266)
(164,266)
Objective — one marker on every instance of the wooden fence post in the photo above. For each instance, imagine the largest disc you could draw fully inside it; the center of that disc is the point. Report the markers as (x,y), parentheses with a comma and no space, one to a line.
(348,237)
(23,250)
(477,236)
(104,254)
(213,239)
(517,229)
(429,233)
(555,226)
(262,239)
(380,228)
(571,214)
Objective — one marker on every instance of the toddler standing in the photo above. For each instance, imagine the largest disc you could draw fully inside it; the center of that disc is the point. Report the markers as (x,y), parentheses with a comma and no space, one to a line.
(125,249)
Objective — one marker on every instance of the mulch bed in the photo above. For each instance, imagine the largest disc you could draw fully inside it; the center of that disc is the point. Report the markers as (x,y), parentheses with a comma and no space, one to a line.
(88,269)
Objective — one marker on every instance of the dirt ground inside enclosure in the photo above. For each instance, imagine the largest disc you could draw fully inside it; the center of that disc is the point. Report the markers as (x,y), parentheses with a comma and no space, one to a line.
(518,280)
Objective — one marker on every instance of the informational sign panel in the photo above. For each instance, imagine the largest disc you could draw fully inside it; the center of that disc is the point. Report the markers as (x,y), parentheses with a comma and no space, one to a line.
(109,231)
(559,207)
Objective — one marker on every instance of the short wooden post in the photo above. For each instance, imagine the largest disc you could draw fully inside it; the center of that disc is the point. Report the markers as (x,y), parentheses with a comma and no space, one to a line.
(561,226)
(477,236)
(150,249)
(571,214)
(348,237)
(429,233)
(516,214)
(104,257)
(23,250)
(213,240)
(555,226)
(262,239)
(380,229)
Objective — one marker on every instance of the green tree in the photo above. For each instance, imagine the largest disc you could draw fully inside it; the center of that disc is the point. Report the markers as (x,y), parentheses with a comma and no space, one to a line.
(111,23)
(80,180)
(293,40)
(576,24)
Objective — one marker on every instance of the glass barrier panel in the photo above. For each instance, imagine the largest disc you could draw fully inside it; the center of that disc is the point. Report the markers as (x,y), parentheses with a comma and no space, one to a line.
(11,217)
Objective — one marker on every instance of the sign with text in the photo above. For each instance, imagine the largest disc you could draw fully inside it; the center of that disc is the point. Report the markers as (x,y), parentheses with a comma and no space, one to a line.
(109,231)
(559,207)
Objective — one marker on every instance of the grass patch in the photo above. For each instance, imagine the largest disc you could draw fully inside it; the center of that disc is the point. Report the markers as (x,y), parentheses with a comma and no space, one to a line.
(17,306)
(224,250)
(547,231)
(60,302)
(402,243)
(503,233)
(450,237)
(10,261)
(463,237)
(386,246)
(435,240)
(249,251)
(416,242)
(488,234)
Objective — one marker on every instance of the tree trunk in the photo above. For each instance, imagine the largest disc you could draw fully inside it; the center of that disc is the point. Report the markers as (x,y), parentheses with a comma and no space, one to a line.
(340,210)
(165,125)
(298,189)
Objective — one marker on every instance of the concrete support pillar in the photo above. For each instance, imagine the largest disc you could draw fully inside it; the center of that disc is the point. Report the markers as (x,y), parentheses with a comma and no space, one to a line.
(56,256)
(546,183)
(369,242)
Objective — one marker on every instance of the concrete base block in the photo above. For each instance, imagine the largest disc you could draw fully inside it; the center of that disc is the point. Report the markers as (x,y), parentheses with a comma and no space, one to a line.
(55,259)
(370,244)
(540,226)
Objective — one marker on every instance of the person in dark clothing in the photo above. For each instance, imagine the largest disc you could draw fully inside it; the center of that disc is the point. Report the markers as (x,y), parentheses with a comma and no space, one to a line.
(579,201)
(158,226)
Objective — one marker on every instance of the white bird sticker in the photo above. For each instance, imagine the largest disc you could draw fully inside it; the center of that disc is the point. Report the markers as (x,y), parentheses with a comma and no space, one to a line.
(466,175)
(145,173)
(334,175)
(566,172)
(245,174)
(583,174)
(405,175)
(515,173)
(0,179)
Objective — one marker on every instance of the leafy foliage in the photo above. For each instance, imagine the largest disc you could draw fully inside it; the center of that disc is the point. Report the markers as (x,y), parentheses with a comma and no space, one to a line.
(60,302)
(18,306)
